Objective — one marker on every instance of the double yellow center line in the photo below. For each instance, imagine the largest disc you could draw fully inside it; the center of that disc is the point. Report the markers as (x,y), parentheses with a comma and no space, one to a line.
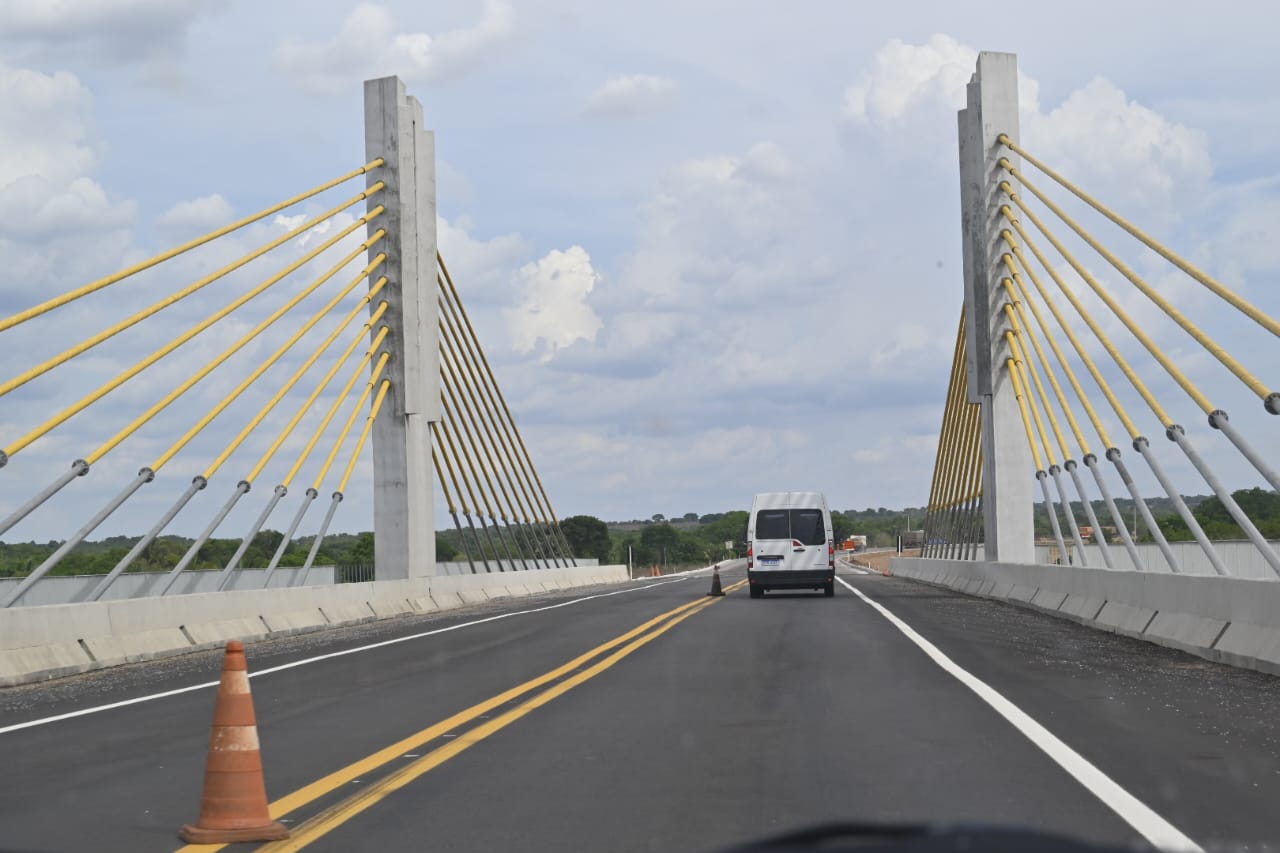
(336,815)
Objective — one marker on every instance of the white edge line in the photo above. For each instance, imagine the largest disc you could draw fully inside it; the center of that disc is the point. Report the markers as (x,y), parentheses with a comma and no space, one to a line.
(83,712)
(1133,811)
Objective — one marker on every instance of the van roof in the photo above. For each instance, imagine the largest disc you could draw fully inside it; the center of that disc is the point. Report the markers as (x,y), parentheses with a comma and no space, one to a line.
(780,500)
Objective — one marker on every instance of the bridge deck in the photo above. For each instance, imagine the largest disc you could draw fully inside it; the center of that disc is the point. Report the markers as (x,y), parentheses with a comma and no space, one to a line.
(745,718)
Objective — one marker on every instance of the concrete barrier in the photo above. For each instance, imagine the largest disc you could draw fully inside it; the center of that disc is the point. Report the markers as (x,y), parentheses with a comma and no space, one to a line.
(1224,619)
(67,589)
(53,640)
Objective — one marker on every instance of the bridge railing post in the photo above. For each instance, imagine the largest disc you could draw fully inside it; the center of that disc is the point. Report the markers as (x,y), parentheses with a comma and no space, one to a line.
(404,517)
(992,109)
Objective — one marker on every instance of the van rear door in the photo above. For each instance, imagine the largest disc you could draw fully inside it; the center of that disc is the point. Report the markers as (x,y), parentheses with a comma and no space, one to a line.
(771,546)
(809,530)
(790,539)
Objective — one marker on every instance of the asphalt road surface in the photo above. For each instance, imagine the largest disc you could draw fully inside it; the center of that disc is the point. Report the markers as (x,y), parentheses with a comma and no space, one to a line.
(651,717)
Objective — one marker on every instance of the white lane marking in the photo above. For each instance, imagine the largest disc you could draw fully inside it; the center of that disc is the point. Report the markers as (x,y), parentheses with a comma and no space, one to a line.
(167,693)
(1151,826)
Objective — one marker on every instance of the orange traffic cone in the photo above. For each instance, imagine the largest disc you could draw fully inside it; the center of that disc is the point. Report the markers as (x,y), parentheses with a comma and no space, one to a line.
(715,581)
(234,804)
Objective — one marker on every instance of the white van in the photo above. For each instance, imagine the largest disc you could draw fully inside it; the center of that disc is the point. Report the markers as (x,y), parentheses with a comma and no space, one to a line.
(790,544)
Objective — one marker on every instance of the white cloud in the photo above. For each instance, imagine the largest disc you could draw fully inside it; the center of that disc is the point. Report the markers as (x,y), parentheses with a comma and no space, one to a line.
(45,158)
(198,215)
(632,94)
(484,268)
(907,77)
(368,46)
(554,309)
(43,125)
(124,31)
(1132,154)
(1097,136)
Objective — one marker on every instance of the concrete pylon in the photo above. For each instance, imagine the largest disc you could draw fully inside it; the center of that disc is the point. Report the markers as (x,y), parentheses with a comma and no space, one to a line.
(1008,473)
(404,496)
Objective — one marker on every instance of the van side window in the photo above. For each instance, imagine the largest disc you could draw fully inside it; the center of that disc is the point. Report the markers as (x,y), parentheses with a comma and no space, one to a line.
(807,526)
(772,524)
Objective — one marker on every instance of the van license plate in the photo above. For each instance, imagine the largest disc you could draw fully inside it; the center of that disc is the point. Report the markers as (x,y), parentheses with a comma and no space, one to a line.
(772,562)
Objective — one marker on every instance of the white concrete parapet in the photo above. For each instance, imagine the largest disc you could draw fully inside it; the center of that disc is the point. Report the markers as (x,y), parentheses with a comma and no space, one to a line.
(1228,620)
(49,641)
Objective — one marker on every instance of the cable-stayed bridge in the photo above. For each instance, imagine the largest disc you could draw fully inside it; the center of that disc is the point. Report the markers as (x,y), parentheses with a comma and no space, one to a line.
(1055,656)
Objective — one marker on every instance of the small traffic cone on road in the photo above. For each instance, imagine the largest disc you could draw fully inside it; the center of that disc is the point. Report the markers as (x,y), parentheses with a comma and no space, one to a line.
(234,804)
(715,581)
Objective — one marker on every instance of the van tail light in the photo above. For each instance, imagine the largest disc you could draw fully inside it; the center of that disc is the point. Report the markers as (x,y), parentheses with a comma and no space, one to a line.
(751,550)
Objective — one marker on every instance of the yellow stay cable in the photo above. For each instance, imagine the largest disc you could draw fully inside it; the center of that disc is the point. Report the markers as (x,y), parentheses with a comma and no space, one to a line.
(949,483)
(1020,364)
(120,379)
(337,402)
(364,434)
(948,414)
(1075,343)
(464,464)
(1124,318)
(324,381)
(351,419)
(969,439)
(89,343)
(1253,383)
(200,374)
(1093,326)
(475,459)
(1238,302)
(450,358)
(506,409)
(71,296)
(1013,284)
(1022,406)
(444,485)
(468,369)
(298,374)
(439,446)
(1021,334)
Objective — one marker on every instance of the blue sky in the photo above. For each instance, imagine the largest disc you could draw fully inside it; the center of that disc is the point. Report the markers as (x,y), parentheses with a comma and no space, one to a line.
(739,221)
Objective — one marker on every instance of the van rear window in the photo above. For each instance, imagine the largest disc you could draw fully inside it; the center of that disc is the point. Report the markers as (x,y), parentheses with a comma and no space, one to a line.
(807,526)
(802,524)
(772,524)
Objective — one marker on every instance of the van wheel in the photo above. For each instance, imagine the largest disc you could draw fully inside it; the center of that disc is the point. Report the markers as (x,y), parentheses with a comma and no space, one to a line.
(829,589)
(757,592)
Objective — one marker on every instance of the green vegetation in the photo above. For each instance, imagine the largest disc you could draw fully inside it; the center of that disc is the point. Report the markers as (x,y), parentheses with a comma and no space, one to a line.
(587,536)
(92,558)
(1260,505)
(685,539)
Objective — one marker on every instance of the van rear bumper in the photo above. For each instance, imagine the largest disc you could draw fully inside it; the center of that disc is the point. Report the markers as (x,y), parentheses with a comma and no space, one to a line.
(798,579)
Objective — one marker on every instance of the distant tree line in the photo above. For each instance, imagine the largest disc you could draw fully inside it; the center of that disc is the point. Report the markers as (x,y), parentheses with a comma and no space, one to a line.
(692,538)
(162,554)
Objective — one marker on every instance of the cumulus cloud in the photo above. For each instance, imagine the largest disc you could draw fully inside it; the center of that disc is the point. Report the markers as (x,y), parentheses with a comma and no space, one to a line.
(197,215)
(124,31)
(368,45)
(484,267)
(554,311)
(905,77)
(1100,135)
(45,158)
(43,125)
(632,94)
(1097,135)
